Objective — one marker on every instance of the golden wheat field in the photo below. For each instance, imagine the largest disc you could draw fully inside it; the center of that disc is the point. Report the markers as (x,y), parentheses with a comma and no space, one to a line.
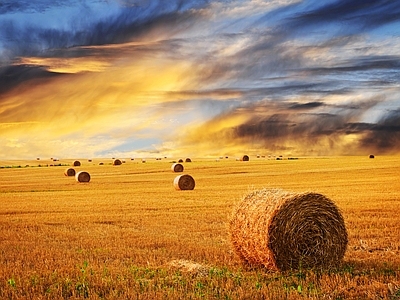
(129,234)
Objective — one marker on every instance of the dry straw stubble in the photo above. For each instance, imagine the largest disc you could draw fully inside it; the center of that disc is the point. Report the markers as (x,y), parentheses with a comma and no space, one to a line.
(184,182)
(281,230)
(82,176)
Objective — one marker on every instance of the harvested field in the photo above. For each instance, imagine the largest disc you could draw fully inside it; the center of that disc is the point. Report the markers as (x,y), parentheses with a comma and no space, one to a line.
(129,234)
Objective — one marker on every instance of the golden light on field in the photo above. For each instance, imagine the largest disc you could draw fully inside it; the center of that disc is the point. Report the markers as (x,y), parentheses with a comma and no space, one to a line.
(127,228)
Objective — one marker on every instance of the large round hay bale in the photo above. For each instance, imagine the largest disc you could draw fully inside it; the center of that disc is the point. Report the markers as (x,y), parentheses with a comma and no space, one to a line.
(177,167)
(282,230)
(117,162)
(184,182)
(188,160)
(69,172)
(180,160)
(76,163)
(245,158)
(82,176)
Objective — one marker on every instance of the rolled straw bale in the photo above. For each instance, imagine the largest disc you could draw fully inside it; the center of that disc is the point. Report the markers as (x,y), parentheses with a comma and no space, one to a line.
(245,158)
(69,172)
(184,182)
(188,160)
(180,160)
(177,167)
(82,176)
(372,156)
(281,230)
(117,162)
(76,163)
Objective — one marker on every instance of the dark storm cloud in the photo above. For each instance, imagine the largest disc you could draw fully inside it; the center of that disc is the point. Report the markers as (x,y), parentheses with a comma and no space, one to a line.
(11,76)
(360,14)
(308,105)
(383,136)
(129,21)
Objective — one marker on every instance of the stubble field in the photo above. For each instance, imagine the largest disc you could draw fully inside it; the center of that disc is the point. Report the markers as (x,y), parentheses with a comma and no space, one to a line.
(128,234)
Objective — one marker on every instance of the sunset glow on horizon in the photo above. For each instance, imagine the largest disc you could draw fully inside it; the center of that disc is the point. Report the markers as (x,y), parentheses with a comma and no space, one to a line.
(205,78)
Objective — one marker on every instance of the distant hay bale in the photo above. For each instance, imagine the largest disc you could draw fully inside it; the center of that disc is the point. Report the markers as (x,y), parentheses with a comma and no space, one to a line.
(69,172)
(117,162)
(177,167)
(76,163)
(184,182)
(188,160)
(180,160)
(245,158)
(372,156)
(282,230)
(82,176)
(101,163)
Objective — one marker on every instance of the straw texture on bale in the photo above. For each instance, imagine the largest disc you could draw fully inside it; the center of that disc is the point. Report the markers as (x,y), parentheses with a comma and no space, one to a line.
(82,176)
(281,230)
(117,162)
(245,158)
(177,167)
(184,182)
(69,172)
(77,163)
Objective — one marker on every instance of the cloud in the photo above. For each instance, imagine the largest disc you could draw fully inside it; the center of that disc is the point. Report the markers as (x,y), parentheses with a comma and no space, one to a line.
(289,76)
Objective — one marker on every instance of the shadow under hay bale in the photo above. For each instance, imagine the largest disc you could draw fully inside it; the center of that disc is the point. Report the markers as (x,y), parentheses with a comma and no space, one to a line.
(282,230)
(184,182)
(82,176)
(76,163)
(117,162)
(245,158)
(177,167)
(69,172)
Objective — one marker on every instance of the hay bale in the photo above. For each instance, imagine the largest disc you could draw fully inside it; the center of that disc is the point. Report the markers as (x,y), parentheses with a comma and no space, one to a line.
(184,182)
(177,167)
(117,162)
(188,160)
(372,156)
(82,176)
(180,160)
(281,230)
(69,172)
(76,163)
(245,158)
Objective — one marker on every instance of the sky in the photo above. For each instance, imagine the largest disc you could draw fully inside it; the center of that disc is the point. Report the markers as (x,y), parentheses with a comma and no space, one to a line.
(198,78)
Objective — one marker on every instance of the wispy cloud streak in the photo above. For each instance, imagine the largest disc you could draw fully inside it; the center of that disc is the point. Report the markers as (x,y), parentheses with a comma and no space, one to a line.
(304,77)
